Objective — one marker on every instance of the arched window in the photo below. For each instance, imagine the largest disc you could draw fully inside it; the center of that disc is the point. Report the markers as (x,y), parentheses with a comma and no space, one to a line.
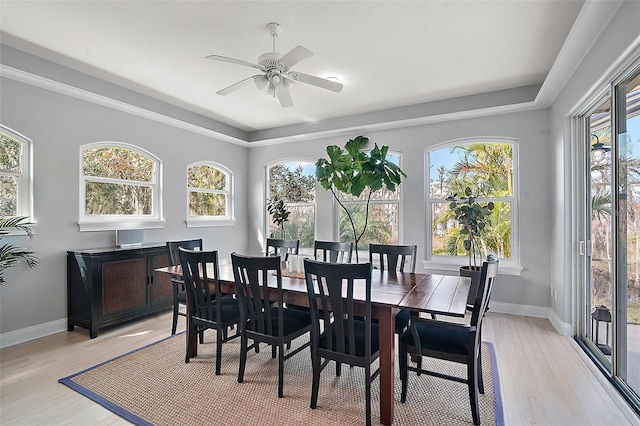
(16,183)
(487,167)
(210,202)
(119,187)
(294,183)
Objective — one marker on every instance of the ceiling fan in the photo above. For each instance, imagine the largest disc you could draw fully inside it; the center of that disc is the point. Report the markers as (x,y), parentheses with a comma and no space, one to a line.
(278,77)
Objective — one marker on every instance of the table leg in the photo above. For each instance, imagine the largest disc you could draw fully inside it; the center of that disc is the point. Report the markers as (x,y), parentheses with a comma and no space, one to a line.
(386,332)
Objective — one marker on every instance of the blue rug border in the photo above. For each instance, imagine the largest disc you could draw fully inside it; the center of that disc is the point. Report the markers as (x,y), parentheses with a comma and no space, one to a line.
(127,415)
(497,394)
(116,409)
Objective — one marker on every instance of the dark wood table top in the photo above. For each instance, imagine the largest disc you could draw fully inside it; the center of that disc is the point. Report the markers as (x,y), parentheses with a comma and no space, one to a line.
(438,294)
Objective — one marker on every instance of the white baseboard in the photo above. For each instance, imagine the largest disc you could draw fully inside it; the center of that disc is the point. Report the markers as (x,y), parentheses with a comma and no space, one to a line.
(30,333)
(532,311)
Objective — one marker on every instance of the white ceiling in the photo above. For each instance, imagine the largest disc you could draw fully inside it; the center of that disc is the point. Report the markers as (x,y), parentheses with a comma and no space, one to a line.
(387,53)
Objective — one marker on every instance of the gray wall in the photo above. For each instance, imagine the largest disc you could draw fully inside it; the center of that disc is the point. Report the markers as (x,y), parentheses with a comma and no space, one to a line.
(59,125)
(530,129)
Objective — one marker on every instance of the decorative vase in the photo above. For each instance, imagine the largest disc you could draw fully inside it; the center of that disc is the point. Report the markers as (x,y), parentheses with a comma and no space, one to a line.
(474,273)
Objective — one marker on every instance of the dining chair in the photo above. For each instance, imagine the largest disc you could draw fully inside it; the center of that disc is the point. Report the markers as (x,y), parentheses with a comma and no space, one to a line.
(179,293)
(260,321)
(456,342)
(343,338)
(277,247)
(332,251)
(206,308)
(399,258)
(329,251)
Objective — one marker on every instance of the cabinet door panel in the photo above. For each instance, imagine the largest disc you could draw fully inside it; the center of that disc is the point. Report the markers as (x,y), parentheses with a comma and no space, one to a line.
(162,286)
(124,285)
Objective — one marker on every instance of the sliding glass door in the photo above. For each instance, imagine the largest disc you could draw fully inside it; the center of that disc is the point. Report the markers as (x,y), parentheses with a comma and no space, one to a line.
(609,308)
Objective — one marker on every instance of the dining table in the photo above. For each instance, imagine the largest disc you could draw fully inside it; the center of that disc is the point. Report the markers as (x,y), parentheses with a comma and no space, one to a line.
(390,291)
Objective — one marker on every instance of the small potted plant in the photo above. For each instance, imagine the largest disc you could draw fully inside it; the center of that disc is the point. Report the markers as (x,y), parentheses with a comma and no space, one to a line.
(279,214)
(11,255)
(473,218)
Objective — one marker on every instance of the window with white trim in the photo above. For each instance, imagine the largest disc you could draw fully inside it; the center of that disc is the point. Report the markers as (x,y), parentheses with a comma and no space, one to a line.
(487,167)
(209,187)
(16,184)
(119,187)
(293,182)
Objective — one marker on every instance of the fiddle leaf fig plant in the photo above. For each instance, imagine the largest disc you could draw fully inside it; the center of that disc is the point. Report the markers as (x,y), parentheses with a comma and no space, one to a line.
(473,217)
(352,171)
(11,255)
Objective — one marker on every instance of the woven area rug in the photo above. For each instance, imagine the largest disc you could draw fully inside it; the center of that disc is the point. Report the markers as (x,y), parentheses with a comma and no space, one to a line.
(152,386)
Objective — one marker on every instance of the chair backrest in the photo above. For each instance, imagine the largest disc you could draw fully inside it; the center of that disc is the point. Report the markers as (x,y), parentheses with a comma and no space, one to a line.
(199,270)
(330,287)
(277,247)
(487,279)
(172,249)
(252,276)
(332,251)
(394,257)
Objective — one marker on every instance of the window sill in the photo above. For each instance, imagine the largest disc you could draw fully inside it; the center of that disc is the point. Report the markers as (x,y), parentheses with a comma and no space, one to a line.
(122,224)
(505,267)
(208,222)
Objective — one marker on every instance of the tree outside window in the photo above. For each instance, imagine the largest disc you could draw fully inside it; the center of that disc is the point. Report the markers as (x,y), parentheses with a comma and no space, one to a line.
(487,168)
(15,175)
(118,181)
(10,172)
(295,184)
(209,191)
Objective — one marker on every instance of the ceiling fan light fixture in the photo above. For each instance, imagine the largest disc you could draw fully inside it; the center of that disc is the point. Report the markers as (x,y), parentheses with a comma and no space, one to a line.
(261,82)
(287,83)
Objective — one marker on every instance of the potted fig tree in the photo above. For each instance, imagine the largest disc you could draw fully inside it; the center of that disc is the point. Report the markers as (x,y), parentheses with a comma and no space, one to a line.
(472,217)
(354,171)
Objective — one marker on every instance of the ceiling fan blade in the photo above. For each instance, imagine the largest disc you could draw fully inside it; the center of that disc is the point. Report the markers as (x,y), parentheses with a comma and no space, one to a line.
(296,55)
(235,86)
(234,61)
(316,81)
(285,98)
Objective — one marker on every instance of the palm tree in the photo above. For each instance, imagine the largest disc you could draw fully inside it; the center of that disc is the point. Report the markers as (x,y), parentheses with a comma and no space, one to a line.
(11,255)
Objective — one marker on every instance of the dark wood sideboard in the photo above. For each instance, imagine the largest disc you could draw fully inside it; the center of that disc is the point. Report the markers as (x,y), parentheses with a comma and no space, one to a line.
(114,285)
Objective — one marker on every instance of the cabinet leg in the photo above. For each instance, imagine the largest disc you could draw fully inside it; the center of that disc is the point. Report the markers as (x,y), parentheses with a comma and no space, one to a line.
(70,327)
(93,333)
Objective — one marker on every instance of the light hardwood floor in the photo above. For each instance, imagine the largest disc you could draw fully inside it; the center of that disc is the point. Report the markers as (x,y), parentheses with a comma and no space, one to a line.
(545,378)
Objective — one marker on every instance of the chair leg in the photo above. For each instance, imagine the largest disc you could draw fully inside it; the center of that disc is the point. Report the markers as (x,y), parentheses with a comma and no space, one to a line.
(367,386)
(404,372)
(201,336)
(273,351)
(479,364)
(315,385)
(174,323)
(218,351)
(188,334)
(419,365)
(472,381)
(280,369)
(338,368)
(243,356)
